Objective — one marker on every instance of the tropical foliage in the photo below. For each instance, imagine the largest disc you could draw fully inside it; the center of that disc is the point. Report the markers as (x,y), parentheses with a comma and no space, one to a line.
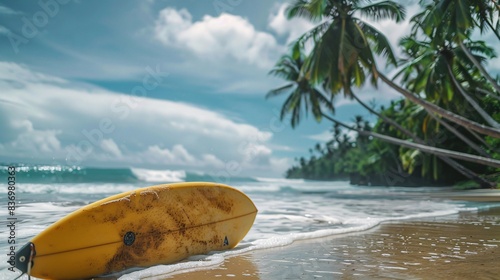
(447,122)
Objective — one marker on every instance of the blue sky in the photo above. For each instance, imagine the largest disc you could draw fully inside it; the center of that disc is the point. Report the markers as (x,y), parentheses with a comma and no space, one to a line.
(155,84)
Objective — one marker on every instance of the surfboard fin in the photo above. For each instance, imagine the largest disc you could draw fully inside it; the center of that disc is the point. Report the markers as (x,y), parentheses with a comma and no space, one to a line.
(24,258)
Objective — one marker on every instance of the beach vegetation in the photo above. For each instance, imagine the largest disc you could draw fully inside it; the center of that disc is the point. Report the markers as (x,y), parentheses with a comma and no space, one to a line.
(445,127)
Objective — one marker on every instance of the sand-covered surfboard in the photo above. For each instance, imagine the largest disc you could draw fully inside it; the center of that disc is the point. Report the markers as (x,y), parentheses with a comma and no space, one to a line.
(154,225)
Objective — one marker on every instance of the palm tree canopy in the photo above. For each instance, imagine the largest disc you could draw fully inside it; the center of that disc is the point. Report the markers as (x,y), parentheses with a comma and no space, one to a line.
(303,96)
(344,44)
(456,18)
(424,70)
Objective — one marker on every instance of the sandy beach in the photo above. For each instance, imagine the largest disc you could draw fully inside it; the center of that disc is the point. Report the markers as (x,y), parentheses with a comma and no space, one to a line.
(461,246)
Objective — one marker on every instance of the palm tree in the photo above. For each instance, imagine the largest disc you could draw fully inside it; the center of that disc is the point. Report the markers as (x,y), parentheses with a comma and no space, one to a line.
(455,19)
(302,93)
(319,149)
(460,168)
(423,148)
(455,118)
(476,63)
(340,67)
(302,162)
(301,89)
(461,136)
(433,69)
(447,53)
(343,42)
(344,47)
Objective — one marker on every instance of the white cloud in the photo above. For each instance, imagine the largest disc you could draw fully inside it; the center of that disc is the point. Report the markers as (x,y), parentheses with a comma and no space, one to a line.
(282,148)
(49,119)
(12,72)
(281,163)
(109,146)
(327,135)
(321,137)
(393,30)
(351,133)
(212,160)
(292,28)
(217,38)
(177,155)
(33,141)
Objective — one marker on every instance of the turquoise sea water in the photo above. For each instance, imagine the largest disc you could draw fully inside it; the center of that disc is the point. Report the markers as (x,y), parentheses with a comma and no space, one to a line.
(289,210)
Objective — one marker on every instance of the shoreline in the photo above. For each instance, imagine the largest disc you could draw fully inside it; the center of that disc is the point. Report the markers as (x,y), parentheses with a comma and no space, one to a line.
(459,246)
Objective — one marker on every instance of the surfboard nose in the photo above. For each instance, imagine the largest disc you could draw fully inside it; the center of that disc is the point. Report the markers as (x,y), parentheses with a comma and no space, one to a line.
(24,257)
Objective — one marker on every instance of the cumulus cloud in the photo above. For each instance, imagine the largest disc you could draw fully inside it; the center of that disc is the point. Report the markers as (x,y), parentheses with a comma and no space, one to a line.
(49,118)
(33,141)
(217,38)
(292,28)
(109,146)
(177,155)
(212,160)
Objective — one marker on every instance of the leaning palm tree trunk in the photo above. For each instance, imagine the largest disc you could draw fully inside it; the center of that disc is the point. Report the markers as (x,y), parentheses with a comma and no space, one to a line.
(493,132)
(462,137)
(435,151)
(455,165)
(467,172)
(487,93)
(386,119)
(479,66)
(471,101)
(420,147)
(486,144)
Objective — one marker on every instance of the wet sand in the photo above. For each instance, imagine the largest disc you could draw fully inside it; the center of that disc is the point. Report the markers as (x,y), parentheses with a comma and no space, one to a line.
(462,246)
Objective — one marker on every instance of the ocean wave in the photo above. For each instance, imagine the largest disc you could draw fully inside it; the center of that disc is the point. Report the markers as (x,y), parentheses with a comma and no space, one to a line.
(51,174)
(54,174)
(279,180)
(157,176)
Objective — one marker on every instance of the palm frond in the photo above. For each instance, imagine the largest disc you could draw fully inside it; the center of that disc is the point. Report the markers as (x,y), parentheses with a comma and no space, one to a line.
(384,10)
(315,105)
(324,54)
(481,47)
(463,15)
(287,68)
(324,100)
(316,33)
(381,44)
(278,91)
(311,10)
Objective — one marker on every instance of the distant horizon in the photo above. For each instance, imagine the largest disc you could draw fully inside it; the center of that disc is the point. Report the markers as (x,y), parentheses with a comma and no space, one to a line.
(30,173)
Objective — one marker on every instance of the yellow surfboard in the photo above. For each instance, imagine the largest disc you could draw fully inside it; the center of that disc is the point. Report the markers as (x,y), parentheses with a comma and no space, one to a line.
(149,226)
